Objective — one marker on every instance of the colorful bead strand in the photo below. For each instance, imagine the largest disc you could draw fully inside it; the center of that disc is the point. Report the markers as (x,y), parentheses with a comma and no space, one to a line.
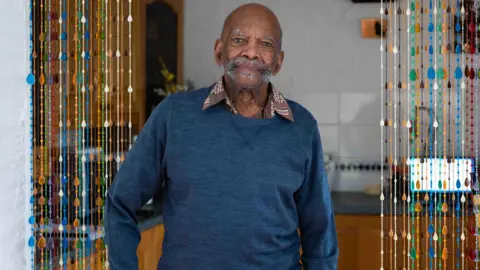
(395,92)
(383,51)
(74,155)
(31,81)
(41,243)
(475,123)
(431,75)
(440,125)
(476,167)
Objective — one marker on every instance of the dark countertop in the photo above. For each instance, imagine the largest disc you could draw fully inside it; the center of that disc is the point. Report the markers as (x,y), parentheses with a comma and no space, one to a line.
(358,203)
(355,203)
(344,203)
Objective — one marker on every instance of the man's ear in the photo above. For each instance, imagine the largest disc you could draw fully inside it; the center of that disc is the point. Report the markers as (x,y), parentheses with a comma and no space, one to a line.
(218,49)
(279,63)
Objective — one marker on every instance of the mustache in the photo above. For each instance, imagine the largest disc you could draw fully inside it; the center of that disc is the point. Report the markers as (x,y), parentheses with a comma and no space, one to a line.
(234,63)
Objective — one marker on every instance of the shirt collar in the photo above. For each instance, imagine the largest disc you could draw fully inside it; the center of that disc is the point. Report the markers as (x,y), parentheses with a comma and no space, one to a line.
(276,103)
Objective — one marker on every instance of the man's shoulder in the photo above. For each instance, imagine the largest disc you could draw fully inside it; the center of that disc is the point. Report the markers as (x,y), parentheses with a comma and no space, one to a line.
(301,114)
(305,123)
(180,103)
(190,96)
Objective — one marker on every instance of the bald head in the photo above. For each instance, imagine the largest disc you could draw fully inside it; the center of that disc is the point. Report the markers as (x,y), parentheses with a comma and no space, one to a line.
(252,12)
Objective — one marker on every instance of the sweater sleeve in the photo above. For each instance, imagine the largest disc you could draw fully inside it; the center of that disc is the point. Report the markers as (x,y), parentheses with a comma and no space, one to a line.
(316,216)
(137,181)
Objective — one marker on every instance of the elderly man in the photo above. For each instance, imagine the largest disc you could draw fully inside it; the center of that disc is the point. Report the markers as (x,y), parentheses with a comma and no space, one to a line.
(240,166)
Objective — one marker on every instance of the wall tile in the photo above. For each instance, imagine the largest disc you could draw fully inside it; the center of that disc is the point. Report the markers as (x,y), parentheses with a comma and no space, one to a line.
(329,137)
(360,141)
(359,108)
(323,106)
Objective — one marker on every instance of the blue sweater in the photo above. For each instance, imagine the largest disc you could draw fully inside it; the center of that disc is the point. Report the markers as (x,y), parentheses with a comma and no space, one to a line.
(235,189)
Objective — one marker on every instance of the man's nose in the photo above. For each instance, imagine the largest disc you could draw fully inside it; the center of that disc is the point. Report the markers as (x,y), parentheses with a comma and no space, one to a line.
(251,50)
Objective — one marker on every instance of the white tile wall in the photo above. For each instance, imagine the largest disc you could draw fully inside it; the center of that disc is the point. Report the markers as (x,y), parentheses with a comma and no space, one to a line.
(323,106)
(359,108)
(330,138)
(360,142)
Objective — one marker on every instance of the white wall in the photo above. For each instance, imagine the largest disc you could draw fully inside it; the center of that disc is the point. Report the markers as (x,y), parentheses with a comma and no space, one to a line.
(13,114)
(328,68)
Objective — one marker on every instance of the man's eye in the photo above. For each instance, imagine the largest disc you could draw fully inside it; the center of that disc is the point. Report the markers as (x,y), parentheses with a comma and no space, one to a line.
(238,40)
(267,44)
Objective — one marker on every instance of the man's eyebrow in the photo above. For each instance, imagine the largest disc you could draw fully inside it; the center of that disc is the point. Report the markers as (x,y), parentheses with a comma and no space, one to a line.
(238,32)
(270,38)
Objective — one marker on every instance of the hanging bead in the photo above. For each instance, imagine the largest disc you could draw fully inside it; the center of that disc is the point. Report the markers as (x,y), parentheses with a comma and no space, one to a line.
(458,73)
(41,200)
(444,230)
(445,254)
(444,207)
(31,79)
(50,244)
(77,202)
(431,252)
(31,241)
(413,254)
(99,201)
(42,242)
(472,254)
(418,207)
(431,73)
(76,222)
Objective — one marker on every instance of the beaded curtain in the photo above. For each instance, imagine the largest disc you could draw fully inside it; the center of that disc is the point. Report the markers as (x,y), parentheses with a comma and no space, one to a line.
(429,134)
(81,107)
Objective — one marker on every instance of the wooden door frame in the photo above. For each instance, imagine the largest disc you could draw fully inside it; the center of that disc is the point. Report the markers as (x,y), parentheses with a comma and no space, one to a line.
(139,47)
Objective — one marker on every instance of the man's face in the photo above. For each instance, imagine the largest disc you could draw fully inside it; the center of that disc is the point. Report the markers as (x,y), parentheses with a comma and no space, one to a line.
(250,50)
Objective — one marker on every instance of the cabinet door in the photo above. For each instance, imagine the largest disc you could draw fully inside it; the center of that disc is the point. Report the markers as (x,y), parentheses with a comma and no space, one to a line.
(369,247)
(348,246)
(359,242)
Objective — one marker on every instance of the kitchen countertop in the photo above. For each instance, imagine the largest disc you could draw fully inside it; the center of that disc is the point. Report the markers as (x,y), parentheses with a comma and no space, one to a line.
(344,203)
(355,203)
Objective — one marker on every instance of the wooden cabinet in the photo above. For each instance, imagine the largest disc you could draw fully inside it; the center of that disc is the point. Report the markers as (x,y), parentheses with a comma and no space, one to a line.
(359,242)
(360,246)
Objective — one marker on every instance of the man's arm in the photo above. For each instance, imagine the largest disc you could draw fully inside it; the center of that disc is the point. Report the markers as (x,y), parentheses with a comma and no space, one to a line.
(137,181)
(317,220)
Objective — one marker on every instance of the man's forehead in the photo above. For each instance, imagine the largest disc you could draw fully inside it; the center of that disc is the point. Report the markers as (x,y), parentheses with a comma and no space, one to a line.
(244,27)
(250,16)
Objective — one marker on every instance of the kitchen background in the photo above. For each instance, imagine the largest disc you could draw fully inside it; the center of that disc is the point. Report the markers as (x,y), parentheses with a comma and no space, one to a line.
(329,68)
